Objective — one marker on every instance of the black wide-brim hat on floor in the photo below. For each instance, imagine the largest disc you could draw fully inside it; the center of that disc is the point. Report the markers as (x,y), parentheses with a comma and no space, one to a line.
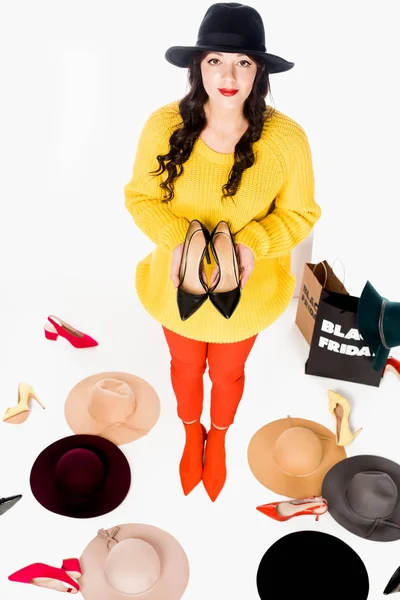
(311,564)
(81,476)
(230,27)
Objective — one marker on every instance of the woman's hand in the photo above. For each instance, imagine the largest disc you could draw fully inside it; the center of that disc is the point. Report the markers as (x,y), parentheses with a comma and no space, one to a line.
(245,258)
(176,265)
(246,263)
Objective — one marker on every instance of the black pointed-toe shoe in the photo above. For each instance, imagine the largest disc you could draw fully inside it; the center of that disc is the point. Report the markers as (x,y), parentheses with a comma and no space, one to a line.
(393,584)
(225,293)
(192,290)
(7,503)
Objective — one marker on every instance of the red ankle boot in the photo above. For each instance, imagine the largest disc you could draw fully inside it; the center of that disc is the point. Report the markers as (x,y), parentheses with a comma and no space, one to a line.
(214,470)
(191,465)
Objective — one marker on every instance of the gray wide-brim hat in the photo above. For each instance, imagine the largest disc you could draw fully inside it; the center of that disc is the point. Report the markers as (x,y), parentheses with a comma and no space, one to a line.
(363,494)
(230,27)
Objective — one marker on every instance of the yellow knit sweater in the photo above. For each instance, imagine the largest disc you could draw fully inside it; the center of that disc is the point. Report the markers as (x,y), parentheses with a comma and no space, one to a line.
(273,210)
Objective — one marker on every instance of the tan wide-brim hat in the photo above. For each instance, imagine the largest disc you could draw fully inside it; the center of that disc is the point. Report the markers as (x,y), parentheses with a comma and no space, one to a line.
(133,561)
(117,406)
(291,456)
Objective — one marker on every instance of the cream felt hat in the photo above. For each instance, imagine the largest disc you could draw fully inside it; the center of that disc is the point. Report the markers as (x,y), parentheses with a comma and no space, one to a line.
(133,561)
(117,406)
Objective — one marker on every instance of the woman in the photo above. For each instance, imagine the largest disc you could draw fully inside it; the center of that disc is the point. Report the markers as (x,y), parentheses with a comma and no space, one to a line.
(230,161)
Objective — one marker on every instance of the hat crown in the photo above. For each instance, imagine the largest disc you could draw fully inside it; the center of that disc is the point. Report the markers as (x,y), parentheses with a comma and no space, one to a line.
(79,472)
(391,324)
(133,566)
(298,452)
(232,24)
(111,401)
(372,494)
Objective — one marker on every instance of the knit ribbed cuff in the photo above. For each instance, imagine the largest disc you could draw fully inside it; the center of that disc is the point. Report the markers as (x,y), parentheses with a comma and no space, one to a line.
(174,233)
(254,236)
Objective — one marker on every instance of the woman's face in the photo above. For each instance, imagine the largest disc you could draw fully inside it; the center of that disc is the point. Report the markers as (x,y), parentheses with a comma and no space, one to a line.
(225,70)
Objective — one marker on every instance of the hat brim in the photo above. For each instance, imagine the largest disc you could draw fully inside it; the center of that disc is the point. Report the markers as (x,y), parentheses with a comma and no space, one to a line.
(265,470)
(143,419)
(334,489)
(181,56)
(175,565)
(114,488)
(368,313)
(298,549)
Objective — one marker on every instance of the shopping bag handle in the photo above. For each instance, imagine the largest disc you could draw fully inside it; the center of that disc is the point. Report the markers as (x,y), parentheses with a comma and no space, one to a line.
(321,262)
(344,272)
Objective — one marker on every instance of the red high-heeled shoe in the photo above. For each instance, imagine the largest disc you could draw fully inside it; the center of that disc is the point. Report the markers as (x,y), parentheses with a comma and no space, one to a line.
(287,509)
(77,338)
(46,576)
(72,567)
(392,364)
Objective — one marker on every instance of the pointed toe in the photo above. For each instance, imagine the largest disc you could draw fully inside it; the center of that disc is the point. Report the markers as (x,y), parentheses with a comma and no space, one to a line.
(226,302)
(213,487)
(188,304)
(189,482)
(7,503)
(394,583)
(266,509)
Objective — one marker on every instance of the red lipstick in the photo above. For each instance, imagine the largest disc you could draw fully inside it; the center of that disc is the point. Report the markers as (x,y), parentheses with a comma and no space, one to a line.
(226,92)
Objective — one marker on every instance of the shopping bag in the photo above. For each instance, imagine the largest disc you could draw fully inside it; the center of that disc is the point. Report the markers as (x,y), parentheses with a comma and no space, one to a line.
(316,277)
(337,349)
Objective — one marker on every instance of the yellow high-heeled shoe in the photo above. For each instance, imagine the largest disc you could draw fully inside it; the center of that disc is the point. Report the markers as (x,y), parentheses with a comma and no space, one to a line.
(19,413)
(339,406)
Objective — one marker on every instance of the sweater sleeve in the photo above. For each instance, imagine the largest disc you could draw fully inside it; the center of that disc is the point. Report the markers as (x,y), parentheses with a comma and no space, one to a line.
(143,195)
(295,210)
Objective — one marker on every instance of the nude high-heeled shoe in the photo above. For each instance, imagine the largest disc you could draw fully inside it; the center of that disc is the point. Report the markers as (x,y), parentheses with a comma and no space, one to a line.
(339,406)
(19,413)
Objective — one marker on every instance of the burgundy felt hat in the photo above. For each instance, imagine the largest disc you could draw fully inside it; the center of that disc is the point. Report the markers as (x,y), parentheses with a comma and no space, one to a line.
(81,476)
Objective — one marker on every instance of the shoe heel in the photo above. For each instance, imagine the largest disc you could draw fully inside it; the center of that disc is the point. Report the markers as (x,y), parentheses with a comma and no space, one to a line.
(207,255)
(38,401)
(50,335)
(72,567)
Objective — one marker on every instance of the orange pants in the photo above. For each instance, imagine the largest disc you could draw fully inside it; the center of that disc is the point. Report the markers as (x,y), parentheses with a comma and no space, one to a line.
(226,369)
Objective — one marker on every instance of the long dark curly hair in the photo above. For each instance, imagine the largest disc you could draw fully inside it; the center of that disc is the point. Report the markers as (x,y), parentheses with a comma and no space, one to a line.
(191,109)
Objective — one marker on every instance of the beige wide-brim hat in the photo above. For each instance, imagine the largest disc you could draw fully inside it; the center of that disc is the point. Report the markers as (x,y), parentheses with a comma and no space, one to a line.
(117,406)
(291,456)
(133,561)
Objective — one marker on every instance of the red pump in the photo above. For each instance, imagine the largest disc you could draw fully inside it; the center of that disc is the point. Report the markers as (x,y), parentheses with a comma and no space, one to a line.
(46,576)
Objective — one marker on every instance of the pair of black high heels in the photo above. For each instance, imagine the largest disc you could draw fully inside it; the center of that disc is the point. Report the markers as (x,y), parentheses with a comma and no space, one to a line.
(192,290)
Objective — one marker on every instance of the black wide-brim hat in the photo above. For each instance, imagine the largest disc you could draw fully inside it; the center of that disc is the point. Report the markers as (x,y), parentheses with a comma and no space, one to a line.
(378,322)
(230,27)
(80,476)
(312,564)
(363,494)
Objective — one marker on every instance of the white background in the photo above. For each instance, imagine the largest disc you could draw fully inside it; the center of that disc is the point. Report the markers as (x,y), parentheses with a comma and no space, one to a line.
(78,80)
